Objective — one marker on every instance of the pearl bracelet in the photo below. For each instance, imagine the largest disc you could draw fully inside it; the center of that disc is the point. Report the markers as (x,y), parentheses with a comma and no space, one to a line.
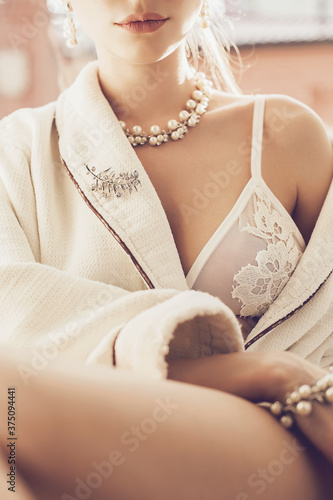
(299,402)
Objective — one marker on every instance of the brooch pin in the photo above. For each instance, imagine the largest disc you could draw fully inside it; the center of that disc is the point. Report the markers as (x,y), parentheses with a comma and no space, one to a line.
(108,182)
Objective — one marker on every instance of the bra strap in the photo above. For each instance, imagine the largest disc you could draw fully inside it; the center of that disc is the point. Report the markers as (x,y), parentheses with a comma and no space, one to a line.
(257,135)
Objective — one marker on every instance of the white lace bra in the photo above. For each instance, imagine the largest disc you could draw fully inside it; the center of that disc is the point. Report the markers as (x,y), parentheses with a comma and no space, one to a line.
(251,256)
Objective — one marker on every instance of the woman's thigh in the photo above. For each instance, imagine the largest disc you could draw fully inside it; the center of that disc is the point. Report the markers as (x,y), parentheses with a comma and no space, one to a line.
(104,434)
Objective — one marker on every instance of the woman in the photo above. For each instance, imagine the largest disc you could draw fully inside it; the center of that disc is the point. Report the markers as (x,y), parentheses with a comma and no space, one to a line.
(92,219)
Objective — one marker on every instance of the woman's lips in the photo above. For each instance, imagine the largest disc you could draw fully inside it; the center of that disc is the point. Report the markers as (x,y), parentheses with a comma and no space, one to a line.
(143,26)
(143,23)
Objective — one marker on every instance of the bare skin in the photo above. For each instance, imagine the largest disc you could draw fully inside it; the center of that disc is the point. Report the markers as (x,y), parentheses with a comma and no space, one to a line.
(221,439)
(261,377)
(200,446)
(297,155)
(296,147)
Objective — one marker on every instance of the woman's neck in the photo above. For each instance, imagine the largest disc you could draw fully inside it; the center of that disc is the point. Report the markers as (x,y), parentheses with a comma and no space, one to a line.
(146,94)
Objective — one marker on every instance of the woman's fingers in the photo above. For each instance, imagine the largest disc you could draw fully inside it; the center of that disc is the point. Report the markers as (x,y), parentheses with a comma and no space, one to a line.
(318,428)
(289,372)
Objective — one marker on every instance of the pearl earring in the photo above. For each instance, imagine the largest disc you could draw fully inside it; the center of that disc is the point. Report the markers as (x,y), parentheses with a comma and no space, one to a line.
(204,15)
(69,27)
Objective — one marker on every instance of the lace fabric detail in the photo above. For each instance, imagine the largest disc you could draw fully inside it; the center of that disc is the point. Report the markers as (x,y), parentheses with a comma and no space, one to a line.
(257,286)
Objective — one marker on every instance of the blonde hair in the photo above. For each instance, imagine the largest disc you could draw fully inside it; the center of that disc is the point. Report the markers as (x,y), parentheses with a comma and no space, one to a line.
(209,50)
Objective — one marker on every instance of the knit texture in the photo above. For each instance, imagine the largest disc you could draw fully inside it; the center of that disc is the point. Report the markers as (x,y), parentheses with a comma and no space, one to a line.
(308,332)
(68,288)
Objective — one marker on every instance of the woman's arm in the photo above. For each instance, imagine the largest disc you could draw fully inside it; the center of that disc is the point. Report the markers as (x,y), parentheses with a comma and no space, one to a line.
(51,296)
(254,376)
(297,159)
(102,433)
(262,377)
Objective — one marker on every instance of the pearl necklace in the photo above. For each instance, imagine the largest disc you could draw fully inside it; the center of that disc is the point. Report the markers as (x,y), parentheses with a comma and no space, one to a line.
(196,106)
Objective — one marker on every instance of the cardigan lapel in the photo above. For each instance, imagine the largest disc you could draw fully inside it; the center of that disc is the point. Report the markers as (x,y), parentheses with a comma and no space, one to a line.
(314,268)
(89,134)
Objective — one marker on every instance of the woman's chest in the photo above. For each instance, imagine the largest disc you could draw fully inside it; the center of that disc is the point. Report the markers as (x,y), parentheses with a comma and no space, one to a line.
(225,220)
(197,188)
(201,180)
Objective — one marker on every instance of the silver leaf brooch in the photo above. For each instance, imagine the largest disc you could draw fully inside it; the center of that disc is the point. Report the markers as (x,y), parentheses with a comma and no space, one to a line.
(109,183)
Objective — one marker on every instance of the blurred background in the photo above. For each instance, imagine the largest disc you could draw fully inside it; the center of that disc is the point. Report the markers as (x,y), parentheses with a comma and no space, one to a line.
(286,47)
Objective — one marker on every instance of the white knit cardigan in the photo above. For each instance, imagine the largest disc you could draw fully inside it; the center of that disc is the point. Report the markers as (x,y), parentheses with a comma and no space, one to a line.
(98,279)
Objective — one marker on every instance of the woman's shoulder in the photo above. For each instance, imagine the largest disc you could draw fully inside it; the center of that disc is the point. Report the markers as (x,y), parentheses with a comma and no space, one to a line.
(297,133)
(297,156)
(22,127)
(290,126)
(293,122)
(280,110)
(302,148)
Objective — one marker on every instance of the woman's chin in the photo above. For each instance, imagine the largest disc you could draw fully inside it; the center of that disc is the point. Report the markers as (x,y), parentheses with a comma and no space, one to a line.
(144,51)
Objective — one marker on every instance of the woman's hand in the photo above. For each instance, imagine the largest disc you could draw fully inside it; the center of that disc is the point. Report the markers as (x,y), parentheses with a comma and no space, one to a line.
(293,372)
(318,428)
(264,376)
(288,372)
